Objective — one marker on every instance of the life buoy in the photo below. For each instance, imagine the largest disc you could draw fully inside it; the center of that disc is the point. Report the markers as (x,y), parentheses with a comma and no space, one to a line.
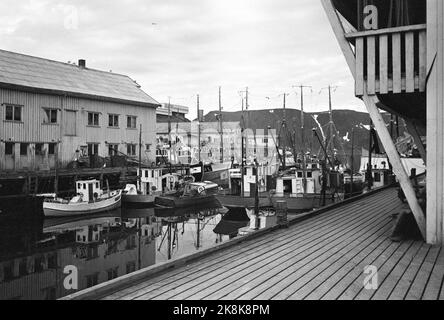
(201,189)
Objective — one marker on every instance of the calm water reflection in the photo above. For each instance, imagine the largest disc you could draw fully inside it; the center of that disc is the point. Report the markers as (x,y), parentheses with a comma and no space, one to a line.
(34,251)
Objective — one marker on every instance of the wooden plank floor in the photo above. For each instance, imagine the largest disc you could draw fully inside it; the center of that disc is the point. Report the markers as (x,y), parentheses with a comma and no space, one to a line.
(320,258)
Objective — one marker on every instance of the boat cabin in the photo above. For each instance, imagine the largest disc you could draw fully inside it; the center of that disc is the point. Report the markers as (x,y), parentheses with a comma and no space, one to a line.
(153,181)
(292,183)
(89,190)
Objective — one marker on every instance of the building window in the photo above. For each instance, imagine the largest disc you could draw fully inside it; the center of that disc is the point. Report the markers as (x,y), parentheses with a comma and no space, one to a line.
(92,280)
(130,267)
(13,113)
(113,150)
(52,261)
(23,270)
(112,273)
(131,122)
(49,293)
(148,148)
(377,177)
(9,148)
(39,149)
(113,121)
(8,272)
(24,149)
(52,149)
(309,175)
(131,150)
(50,116)
(93,119)
(93,149)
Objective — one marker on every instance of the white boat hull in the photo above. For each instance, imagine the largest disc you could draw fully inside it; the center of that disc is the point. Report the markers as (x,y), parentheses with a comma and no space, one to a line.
(55,209)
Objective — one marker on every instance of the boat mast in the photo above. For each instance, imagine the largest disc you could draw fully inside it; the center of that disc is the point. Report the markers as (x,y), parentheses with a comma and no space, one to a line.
(140,159)
(221,128)
(242,144)
(198,232)
(169,239)
(352,162)
(304,161)
(169,130)
(284,126)
(198,127)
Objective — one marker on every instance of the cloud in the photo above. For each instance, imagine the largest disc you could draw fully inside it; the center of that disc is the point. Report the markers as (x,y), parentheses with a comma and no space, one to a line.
(179,48)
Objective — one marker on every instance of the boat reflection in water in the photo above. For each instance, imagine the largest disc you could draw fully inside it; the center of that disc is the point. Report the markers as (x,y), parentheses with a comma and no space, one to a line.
(35,251)
(186,230)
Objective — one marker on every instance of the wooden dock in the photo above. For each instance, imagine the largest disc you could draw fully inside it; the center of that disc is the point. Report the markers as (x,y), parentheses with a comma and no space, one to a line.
(322,257)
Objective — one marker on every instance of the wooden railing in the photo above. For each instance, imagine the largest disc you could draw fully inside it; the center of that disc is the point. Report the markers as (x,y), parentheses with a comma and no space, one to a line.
(391,60)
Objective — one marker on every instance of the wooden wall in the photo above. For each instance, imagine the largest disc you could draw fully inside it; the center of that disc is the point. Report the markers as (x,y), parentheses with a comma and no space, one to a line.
(32,130)
(435,121)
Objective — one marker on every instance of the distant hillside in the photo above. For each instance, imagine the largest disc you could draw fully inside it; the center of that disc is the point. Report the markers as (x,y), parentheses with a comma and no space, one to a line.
(344,121)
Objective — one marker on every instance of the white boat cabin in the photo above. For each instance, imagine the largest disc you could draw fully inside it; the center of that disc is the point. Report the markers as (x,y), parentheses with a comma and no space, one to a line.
(89,190)
(292,183)
(153,181)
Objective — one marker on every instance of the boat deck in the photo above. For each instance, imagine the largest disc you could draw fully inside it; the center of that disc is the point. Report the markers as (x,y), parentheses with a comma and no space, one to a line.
(322,257)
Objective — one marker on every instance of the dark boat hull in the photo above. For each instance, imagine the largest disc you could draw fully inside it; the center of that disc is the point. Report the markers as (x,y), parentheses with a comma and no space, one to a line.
(185,202)
(296,205)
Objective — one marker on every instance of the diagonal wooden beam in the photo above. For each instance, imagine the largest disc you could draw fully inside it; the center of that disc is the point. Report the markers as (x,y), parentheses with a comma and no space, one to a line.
(339,32)
(371,102)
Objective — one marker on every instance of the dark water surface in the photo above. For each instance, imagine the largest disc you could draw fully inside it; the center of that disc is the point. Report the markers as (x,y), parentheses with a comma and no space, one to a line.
(37,255)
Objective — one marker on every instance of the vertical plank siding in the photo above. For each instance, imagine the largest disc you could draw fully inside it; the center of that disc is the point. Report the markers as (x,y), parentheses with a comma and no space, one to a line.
(32,129)
(382,66)
(359,67)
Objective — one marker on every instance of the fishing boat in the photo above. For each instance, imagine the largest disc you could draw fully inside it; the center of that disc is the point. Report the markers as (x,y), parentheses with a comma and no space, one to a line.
(214,172)
(131,195)
(276,187)
(189,195)
(90,199)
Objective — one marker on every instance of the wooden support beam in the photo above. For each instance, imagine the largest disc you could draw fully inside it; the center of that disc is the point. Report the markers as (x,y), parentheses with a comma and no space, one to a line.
(339,32)
(435,119)
(371,102)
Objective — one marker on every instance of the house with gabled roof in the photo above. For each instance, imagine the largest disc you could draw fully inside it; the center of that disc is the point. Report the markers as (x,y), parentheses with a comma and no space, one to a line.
(52,113)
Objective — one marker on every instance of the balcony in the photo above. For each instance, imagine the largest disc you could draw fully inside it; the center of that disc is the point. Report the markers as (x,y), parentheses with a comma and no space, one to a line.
(391,60)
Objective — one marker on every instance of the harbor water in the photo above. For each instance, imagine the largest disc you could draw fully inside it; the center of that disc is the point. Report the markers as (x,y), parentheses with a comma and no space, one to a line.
(47,259)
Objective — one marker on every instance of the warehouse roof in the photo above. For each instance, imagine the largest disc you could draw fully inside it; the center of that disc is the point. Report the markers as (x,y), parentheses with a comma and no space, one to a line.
(23,72)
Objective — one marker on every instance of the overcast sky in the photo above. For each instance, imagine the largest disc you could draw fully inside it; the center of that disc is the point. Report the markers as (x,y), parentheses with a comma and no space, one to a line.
(179,48)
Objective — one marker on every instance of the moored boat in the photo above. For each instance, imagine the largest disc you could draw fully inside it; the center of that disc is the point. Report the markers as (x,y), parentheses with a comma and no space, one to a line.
(89,199)
(192,194)
(130,195)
